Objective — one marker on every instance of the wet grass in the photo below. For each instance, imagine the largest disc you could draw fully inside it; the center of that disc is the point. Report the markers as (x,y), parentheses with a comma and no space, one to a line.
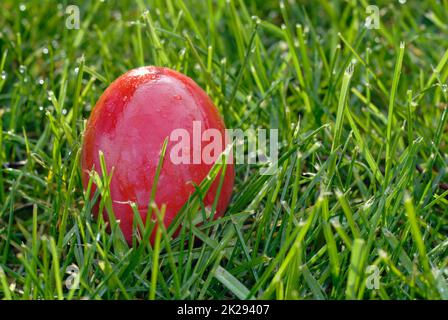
(361,185)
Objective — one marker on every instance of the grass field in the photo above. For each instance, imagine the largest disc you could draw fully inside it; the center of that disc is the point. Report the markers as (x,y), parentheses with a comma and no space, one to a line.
(358,208)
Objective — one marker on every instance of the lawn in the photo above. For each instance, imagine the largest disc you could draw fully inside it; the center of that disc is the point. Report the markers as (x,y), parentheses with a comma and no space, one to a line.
(358,205)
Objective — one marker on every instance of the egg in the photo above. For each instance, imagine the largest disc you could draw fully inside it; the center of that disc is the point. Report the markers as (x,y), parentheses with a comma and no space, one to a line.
(129,124)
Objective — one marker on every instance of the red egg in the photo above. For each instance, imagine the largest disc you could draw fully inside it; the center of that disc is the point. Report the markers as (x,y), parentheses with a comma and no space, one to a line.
(129,124)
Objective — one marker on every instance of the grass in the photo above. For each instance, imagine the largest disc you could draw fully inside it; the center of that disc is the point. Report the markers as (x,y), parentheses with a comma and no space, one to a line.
(361,185)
